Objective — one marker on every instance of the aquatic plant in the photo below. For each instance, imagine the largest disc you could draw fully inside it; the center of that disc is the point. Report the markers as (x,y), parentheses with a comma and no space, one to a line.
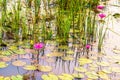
(38,46)
(102,15)
(100,7)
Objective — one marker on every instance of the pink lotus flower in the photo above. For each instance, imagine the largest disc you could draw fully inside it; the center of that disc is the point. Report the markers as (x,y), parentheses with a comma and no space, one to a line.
(38,46)
(87,46)
(100,7)
(101,15)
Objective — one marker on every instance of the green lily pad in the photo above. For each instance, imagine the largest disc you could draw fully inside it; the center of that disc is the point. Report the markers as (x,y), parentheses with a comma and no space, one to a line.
(7,78)
(103,75)
(29,67)
(70,52)
(18,77)
(92,75)
(103,63)
(78,75)
(45,77)
(80,69)
(83,61)
(53,77)
(18,63)
(6,53)
(3,65)
(1,77)
(20,51)
(45,68)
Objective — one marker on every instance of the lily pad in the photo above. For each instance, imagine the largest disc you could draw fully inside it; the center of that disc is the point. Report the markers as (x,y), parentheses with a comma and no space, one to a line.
(115,69)
(3,65)
(45,68)
(92,75)
(53,77)
(18,77)
(20,51)
(29,67)
(6,59)
(70,52)
(7,78)
(103,63)
(6,53)
(18,63)
(78,75)
(55,54)
(80,69)
(103,75)
(83,61)
(45,77)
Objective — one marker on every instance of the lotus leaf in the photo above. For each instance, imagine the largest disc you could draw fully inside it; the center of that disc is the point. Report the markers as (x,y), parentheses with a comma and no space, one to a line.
(103,63)
(6,53)
(103,75)
(18,77)
(91,75)
(70,52)
(80,69)
(53,77)
(7,78)
(29,67)
(83,61)
(18,63)
(108,71)
(1,77)
(67,75)
(78,75)
(64,78)
(115,69)
(20,51)
(55,54)
(3,65)
(45,68)
(45,77)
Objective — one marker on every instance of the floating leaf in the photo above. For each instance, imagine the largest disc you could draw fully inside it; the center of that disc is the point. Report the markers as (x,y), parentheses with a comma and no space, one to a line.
(70,52)
(6,53)
(68,58)
(83,61)
(115,69)
(55,54)
(68,75)
(20,51)
(18,63)
(7,78)
(45,77)
(116,15)
(45,68)
(1,77)
(103,75)
(53,77)
(80,69)
(103,63)
(6,59)
(3,65)
(29,67)
(78,75)
(91,75)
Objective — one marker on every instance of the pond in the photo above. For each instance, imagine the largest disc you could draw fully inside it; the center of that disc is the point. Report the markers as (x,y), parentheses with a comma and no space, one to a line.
(54,40)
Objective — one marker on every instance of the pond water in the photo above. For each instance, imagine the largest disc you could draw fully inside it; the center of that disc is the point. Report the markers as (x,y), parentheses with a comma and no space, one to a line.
(60,66)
